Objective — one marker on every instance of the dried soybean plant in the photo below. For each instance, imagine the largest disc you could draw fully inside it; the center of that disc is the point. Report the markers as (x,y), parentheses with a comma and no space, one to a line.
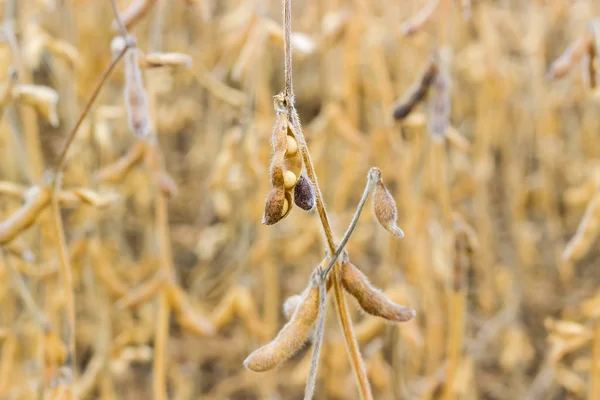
(294,181)
(520,164)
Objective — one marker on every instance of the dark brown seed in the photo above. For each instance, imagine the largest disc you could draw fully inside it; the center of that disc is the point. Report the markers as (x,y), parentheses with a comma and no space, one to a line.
(304,193)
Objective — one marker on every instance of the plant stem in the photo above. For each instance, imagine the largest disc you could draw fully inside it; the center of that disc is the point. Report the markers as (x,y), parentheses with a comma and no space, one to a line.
(372,178)
(118,18)
(287,49)
(107,72)
(358,366)
(65,262)
(319,334)
(310,171)
(356,360)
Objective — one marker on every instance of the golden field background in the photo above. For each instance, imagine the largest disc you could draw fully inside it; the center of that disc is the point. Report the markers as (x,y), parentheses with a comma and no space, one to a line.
(519,166)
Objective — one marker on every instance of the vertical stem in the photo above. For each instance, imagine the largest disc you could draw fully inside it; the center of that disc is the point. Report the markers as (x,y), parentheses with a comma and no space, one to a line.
(344,316)
(310,171)
(319,334)
(356,360)
(287,48)
(358,366)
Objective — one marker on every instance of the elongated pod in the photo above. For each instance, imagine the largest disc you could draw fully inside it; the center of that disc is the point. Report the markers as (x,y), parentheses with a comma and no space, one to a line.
(384,207)
(370,299)
(291,337)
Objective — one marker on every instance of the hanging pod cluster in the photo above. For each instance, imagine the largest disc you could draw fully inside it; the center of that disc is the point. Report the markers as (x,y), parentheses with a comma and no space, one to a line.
(303,310)
(289,184)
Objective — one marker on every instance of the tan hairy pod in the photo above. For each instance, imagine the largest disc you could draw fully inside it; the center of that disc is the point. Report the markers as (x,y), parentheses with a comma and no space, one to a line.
(279,145)
(291,337)
(384,207)
(276,170)
(274,206)
(36,201)
(279,137)
(370,299)
(304,193)
(136,99)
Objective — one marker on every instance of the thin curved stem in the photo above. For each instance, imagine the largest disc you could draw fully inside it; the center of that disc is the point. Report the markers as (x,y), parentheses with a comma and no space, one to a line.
(118,18)
(371,179)
(319,334)
(107,72)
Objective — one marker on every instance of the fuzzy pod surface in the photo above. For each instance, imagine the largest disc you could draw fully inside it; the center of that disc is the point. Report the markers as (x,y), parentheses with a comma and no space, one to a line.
(291,337)
(373,301)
